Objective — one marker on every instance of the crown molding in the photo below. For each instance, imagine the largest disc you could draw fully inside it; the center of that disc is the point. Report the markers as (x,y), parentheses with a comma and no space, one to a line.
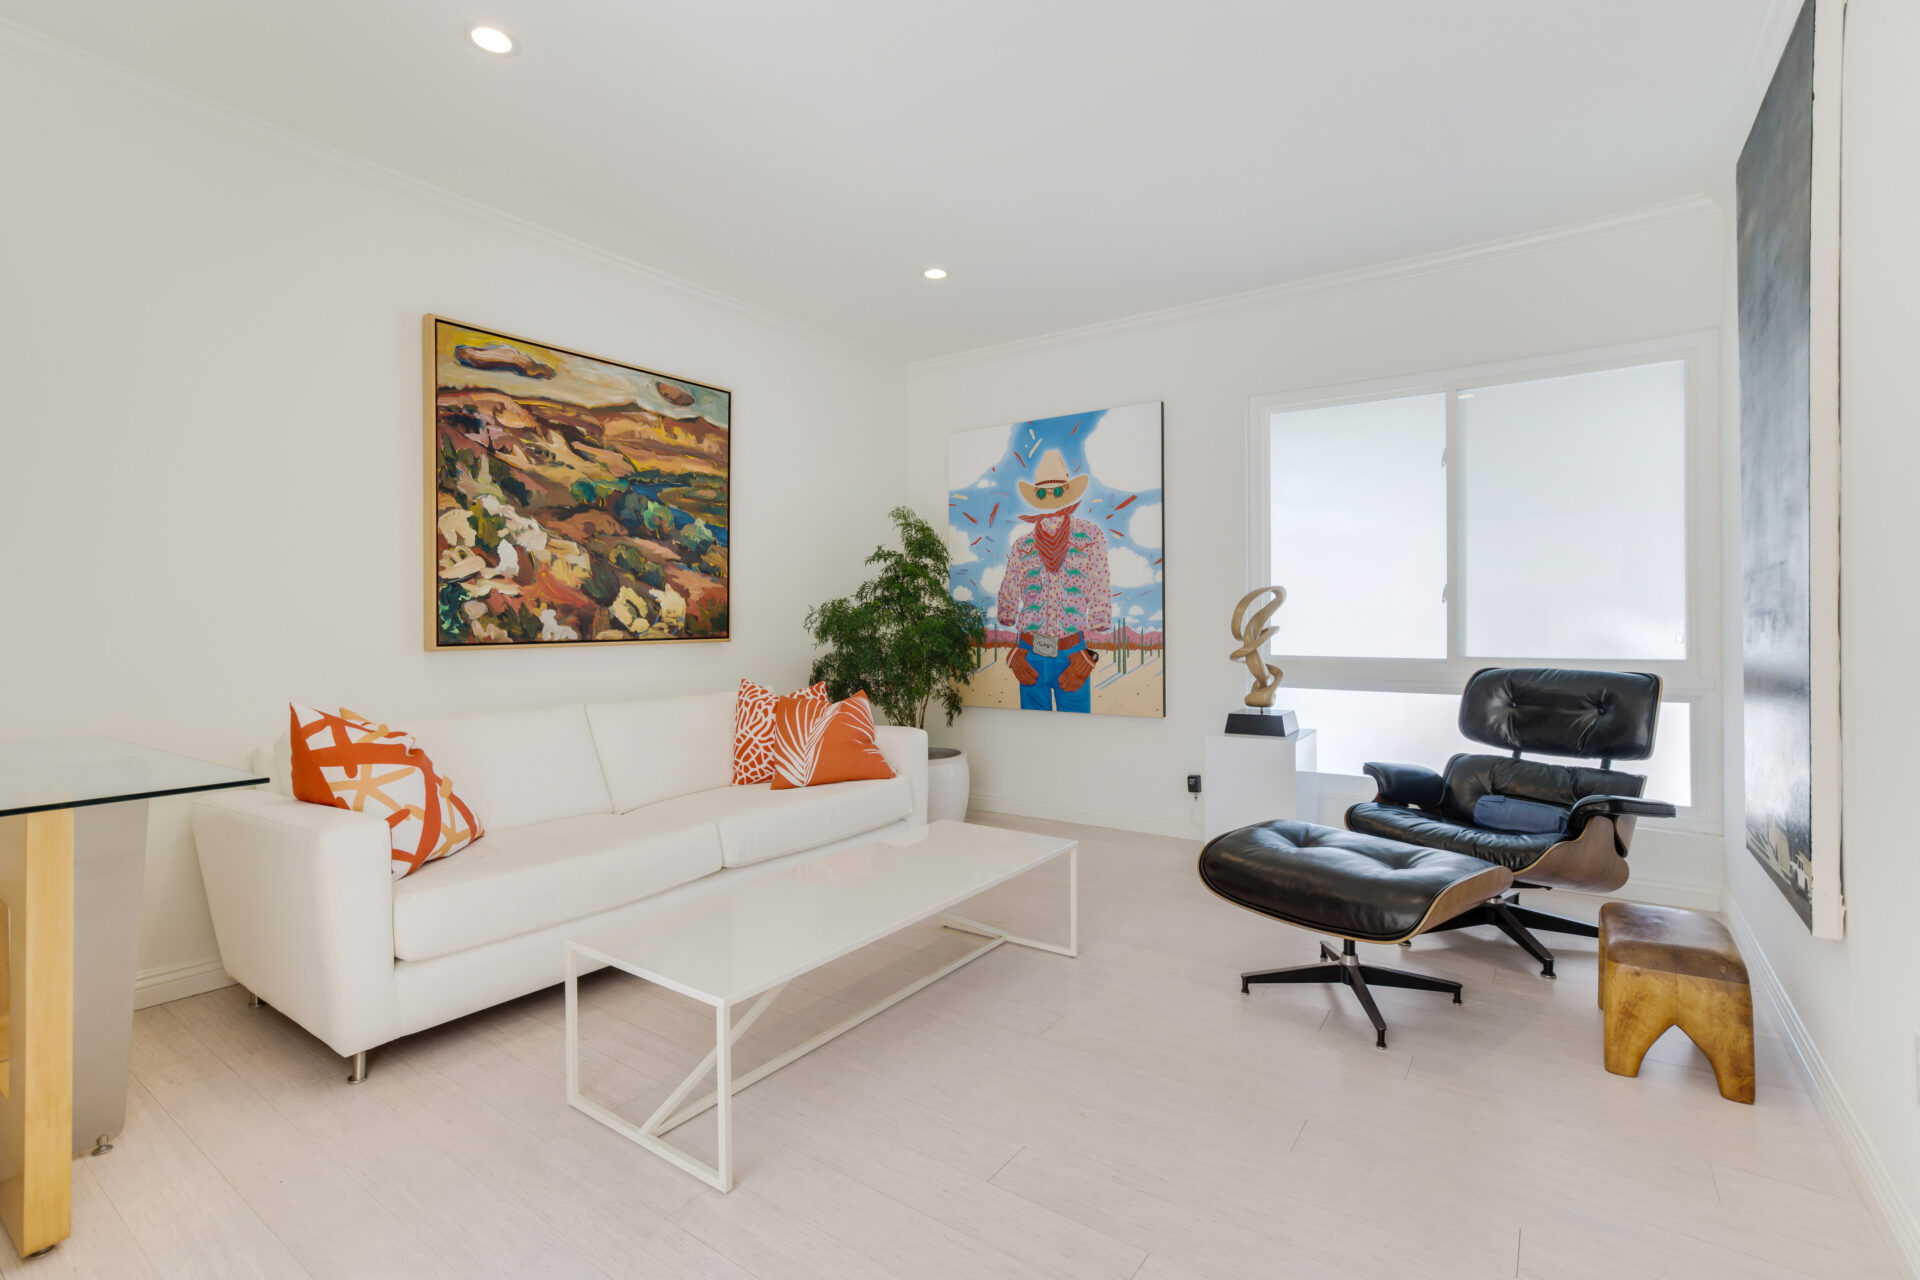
(28,45)
(1656,215)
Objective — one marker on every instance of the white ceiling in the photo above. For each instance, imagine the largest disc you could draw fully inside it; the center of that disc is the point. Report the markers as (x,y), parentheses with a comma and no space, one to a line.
(1069,161)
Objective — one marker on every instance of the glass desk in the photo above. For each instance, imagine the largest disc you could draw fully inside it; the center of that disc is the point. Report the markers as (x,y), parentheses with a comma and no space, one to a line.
(73,844)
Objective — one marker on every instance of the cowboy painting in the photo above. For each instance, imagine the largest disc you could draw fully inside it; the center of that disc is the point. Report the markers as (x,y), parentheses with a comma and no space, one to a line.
(1056,593)
(1054,532)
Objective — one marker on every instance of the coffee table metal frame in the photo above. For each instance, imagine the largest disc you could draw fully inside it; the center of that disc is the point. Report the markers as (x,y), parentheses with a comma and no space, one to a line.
(670,1114)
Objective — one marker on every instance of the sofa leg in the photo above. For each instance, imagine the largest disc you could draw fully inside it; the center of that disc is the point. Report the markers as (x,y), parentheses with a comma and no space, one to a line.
(359,1071)
(255,1002)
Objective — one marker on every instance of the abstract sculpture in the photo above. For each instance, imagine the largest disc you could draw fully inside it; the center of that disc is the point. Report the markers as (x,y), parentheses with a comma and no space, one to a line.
(1251,633)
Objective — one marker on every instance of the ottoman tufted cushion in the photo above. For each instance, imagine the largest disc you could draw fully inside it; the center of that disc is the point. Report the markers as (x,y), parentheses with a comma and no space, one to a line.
(1341,882)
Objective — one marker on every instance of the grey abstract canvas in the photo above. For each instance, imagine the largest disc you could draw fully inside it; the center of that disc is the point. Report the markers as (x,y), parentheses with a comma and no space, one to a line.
(1779,574)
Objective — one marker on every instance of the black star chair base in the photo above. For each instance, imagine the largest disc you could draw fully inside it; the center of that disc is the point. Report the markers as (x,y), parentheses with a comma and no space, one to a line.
(1344,966)
(1587,814)
(1358,888)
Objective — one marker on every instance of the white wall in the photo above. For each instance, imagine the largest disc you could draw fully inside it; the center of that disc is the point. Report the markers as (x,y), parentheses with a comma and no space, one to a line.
(211,341)
(1644,278)
(1857,1001)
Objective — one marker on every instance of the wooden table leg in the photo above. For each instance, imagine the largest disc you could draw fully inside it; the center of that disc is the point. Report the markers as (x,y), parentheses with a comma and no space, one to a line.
(36,1083)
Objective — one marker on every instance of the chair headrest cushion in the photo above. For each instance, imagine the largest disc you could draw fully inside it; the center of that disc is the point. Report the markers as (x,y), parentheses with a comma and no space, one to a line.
(1585,714)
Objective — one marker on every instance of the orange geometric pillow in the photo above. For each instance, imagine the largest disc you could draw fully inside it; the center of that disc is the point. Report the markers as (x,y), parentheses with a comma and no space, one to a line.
(753,730)
(348,762)
(815,743)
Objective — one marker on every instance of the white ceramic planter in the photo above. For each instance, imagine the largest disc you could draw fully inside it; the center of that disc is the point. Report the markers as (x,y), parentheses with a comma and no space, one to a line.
(947,784)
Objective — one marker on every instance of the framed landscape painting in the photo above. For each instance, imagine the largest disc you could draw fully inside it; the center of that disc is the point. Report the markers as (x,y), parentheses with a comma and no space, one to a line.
(1055,530)
(571,499)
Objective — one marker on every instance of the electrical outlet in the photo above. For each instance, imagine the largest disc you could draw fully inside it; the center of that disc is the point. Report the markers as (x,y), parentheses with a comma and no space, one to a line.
(1193,784)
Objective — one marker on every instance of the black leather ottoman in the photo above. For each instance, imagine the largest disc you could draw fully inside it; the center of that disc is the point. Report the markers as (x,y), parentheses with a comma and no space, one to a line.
(1356,887)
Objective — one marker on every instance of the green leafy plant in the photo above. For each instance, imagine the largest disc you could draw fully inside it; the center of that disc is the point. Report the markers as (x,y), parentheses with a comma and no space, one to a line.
(901,636)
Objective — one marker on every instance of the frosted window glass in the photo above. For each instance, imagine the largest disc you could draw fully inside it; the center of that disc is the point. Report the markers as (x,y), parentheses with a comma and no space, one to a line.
(1574,535)
(1354,726)
(1359,521)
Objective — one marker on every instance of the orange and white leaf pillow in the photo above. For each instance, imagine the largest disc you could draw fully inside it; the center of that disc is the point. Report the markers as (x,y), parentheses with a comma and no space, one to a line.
(815,743)
(753,730)
(349,762)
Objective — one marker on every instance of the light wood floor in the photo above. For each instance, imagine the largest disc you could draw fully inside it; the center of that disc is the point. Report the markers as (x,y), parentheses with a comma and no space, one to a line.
(1126,1114)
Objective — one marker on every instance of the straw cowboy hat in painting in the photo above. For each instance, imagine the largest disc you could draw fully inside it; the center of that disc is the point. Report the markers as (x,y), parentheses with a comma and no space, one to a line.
(1052,488)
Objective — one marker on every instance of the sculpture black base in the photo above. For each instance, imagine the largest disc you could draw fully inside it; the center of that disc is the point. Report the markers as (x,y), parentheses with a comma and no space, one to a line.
(1274,724)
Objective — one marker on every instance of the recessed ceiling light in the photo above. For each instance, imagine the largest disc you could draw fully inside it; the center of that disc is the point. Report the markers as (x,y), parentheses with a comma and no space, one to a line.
(492,39)
(935,273)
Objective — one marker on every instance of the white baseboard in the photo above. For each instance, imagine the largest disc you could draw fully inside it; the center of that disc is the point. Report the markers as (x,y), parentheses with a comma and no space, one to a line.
(1890,1212)
(1088,816)
(178,981)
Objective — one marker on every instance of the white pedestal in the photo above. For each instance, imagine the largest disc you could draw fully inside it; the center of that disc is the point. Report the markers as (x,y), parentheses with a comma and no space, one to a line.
(1246,779)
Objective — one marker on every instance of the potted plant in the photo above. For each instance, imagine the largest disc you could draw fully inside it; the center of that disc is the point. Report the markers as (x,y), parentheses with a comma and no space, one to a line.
(906,641)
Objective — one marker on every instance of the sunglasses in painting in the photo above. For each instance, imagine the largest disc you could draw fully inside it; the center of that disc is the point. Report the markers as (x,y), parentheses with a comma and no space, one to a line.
(1058,491)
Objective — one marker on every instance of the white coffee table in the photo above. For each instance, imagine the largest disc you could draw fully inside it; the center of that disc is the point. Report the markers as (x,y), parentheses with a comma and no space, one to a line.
(748,941)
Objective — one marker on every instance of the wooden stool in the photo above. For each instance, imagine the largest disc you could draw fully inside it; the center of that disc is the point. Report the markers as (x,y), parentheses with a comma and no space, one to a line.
(1662,967)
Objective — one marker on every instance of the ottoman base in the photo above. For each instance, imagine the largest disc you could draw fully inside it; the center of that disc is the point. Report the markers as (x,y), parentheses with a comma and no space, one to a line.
(1346,967)
(1359,888)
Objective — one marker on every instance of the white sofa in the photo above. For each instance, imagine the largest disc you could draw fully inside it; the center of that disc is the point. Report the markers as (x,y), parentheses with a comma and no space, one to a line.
(592,814)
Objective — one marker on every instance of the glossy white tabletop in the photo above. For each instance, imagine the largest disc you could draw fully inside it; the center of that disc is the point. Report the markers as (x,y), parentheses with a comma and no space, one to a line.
(67,773)
(745,939)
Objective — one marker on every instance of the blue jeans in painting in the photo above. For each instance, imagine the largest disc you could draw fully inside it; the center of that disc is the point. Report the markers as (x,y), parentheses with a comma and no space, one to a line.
(1045,694)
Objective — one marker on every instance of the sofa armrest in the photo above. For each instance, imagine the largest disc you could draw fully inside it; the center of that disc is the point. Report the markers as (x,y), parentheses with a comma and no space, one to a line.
(1405,784)
(302,903)
(905,751)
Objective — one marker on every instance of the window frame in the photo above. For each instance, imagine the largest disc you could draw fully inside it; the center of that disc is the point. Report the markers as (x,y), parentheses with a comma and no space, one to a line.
(1694,679)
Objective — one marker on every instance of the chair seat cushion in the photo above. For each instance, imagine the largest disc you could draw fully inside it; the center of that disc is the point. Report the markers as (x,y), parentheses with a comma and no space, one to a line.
(1511,849)
(1341,882)
(527,878)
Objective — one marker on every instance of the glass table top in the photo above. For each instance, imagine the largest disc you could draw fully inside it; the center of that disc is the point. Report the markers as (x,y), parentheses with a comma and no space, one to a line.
(67,773)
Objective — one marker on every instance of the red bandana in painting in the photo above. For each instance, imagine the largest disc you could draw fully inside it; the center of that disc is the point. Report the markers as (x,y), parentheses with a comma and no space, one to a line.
(1053,543)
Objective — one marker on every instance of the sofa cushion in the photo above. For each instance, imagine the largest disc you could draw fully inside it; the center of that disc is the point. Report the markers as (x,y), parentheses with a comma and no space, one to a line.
(757,822)
(816,746)
(753,729)
(665,747)
(520,767)
(349,762)
(531,877)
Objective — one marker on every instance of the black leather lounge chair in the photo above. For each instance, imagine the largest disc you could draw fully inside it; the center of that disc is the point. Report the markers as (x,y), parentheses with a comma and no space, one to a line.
(1603,715)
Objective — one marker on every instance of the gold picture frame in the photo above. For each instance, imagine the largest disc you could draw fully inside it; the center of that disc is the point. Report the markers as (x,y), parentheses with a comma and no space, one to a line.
(569,499)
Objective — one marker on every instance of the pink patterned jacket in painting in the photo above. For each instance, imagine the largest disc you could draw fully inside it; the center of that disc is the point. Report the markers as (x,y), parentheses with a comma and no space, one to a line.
(1078,598)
